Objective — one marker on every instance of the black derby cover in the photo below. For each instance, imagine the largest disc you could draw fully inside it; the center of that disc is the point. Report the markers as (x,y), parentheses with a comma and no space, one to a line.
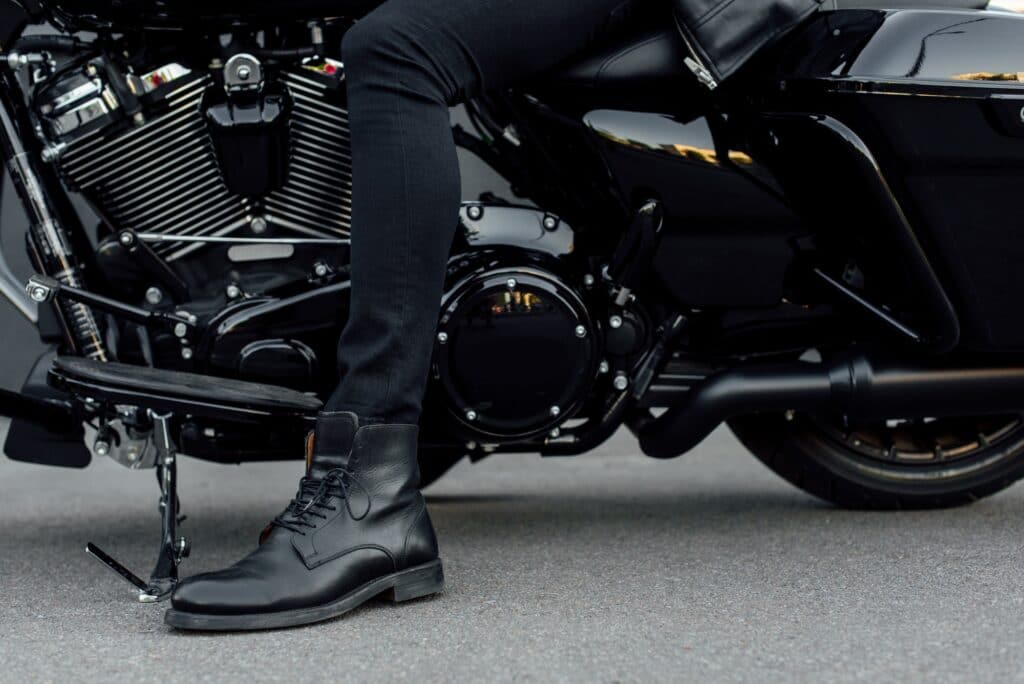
(724,34)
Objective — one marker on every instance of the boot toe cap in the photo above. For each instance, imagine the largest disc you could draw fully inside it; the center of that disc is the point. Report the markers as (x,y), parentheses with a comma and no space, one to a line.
(216,593)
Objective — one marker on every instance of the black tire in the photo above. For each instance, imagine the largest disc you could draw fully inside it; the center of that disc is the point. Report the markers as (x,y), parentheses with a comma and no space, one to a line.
(434,463)
(841,467)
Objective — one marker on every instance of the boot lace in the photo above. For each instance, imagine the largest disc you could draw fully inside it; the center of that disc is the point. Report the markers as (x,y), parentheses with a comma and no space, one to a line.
(316,496)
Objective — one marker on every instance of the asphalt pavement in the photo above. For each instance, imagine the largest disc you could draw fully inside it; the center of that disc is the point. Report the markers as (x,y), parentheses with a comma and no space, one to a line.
(605,568)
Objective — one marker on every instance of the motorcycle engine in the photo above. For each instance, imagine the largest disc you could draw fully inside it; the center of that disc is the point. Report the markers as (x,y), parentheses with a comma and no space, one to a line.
(218,189)
(164,155)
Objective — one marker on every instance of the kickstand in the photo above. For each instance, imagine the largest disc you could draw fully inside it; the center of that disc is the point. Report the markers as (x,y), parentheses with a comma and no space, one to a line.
(173,548)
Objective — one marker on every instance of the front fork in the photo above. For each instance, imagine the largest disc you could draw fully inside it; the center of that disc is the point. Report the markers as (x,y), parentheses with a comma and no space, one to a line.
(51,243)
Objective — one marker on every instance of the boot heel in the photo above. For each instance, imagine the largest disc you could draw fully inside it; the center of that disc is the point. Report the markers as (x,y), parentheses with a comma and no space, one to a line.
(417,582)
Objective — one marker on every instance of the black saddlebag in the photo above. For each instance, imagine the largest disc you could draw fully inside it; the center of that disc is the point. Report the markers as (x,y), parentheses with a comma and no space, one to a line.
(938,99)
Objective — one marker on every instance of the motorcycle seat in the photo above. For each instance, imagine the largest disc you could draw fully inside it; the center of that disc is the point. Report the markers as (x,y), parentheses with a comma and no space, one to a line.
(177,392)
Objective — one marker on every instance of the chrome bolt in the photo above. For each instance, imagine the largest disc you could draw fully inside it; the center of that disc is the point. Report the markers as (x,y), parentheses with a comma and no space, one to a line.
(38,294)
(581,331)
(233,291)
(154,295)
(101,447)
(555,433)
(243,73)
(192,318)
(615,322)
(621,382)
(127,239)
(555,411)
(186,353)
(258,225)
(511,283)
(442,337)
(471,415)
(471,446)
(588,280)
(320,269)
(790,415)
(550,223)
(91,70)
(475,212)
(180,330)
(604,368)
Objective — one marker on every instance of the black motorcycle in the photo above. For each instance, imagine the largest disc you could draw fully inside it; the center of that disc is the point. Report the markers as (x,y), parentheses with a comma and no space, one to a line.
(820,252)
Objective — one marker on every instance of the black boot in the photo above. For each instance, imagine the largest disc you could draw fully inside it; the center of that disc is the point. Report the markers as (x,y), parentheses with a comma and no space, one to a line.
(357,529)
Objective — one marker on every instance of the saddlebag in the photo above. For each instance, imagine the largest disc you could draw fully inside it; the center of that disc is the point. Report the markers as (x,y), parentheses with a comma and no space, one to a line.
(937,97)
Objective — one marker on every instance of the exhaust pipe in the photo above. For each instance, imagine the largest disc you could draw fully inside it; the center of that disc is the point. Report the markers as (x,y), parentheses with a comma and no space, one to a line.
(854,386)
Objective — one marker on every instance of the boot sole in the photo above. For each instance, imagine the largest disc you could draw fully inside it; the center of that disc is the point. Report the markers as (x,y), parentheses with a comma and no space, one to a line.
(413,583)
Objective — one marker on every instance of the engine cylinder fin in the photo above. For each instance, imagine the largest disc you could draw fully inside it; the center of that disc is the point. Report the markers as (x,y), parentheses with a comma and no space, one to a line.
(163,177)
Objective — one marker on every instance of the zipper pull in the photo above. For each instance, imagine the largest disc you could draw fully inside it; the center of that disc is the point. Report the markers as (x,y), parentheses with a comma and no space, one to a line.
(706,78)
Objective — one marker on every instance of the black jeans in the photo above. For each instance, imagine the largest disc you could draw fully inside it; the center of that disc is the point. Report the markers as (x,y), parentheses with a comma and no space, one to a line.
(405,63)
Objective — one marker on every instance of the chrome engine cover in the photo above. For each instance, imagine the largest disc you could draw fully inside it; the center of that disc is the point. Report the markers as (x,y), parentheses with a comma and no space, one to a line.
(160,175)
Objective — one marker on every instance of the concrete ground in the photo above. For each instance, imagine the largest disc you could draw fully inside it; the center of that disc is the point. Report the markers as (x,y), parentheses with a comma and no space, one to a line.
(608,568)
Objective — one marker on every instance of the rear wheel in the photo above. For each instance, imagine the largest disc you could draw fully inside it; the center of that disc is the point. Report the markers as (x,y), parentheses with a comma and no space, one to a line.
(932,463)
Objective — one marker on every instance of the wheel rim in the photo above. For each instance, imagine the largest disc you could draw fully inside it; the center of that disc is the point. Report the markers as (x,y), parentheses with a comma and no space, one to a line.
(925,442)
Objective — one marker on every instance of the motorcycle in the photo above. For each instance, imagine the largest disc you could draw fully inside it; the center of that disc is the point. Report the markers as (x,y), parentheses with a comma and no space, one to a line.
(819,252)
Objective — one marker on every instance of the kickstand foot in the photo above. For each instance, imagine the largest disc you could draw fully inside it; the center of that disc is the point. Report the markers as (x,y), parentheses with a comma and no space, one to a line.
(172,547)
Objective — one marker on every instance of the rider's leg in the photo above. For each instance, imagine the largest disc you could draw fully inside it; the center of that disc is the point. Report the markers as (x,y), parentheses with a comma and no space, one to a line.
(405,64)
(359,526)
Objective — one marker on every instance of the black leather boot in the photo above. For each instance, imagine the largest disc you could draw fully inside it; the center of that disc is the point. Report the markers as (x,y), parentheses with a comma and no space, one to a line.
(357,529)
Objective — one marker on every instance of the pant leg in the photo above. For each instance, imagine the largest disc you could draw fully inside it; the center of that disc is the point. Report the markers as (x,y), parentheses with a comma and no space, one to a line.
(405,63)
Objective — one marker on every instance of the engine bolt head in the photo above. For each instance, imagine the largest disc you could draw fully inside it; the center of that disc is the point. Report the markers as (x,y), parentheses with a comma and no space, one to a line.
(233,291)
(442,337)
(126,238)
(258,225)
(39,294)
(603,368)
(475,212)
(154,295)
(621,382)
(101,447)
(186,353)
(581,331)
(471,415)
(588,280)
(550,223)
(555,433)
(320,269)
(555,411)
(243,73)
(615,322)
(511,283)
(180,330)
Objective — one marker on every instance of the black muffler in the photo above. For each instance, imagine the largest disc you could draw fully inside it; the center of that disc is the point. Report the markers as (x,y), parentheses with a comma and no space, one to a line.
(854,386)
